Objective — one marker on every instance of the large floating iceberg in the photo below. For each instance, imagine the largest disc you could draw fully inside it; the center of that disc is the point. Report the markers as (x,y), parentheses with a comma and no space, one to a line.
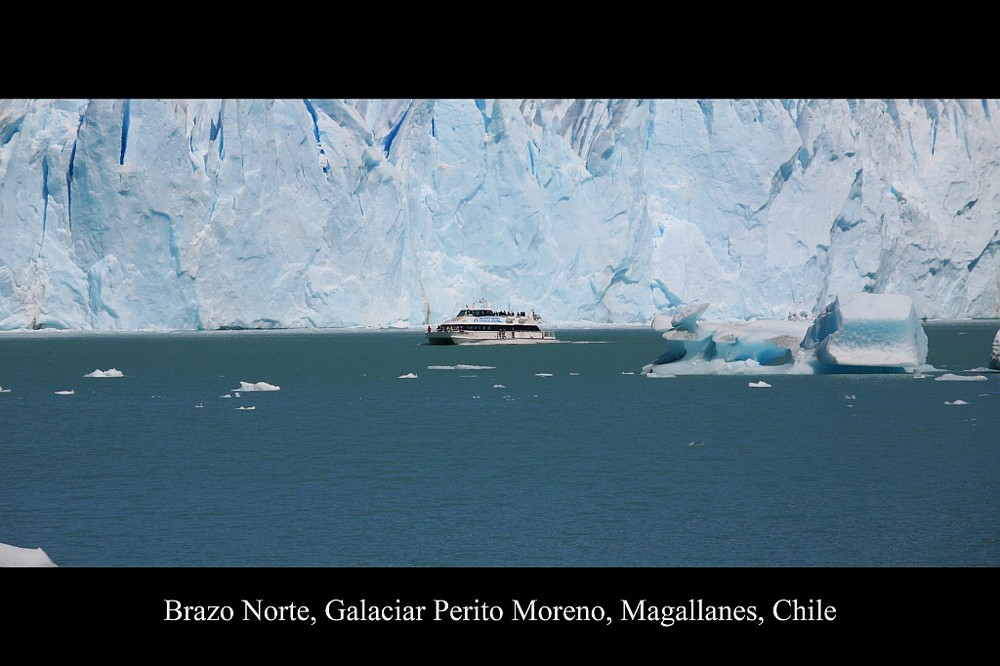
(856,333)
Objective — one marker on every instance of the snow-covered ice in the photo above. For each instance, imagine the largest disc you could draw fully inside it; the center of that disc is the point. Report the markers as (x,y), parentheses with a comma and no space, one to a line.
(171,214)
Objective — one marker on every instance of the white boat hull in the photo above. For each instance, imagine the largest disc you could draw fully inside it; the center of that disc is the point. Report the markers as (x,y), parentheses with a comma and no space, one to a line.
(483,325)
(489,338)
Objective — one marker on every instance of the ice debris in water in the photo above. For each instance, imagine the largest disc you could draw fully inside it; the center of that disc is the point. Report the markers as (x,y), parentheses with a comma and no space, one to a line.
(259,386)
(110,372)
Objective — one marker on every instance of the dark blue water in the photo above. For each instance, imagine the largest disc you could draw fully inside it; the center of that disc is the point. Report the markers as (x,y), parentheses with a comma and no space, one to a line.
(545,455)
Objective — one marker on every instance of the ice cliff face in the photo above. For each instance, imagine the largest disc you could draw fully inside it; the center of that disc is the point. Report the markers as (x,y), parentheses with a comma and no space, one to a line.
(184,214)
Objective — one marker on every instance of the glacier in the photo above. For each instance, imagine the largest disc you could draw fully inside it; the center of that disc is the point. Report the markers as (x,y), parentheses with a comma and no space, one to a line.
(174,214)
(856,333)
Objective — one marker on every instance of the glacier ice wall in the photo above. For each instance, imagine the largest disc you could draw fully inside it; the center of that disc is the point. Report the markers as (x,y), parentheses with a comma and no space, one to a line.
(187,214)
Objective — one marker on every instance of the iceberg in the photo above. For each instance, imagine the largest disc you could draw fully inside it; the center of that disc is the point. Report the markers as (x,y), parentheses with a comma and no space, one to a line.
(995,353)
(110,372)
(13,556)
(258,386)
(951,377)
(855,333)
(868,330)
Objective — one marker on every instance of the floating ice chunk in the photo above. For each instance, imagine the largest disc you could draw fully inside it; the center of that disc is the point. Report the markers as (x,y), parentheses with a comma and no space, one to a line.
(685,319)
(461,366)
(543,374)
(956,402)
(226,396)
(245,408)
(868,330)
(408,376)
(199,406)
(850,397)
(499,386)
(760,384)
(950,377)
(259,386)
(12,556)
(855,333)
(3,390)
(995,353)
(70,392)
(110,372)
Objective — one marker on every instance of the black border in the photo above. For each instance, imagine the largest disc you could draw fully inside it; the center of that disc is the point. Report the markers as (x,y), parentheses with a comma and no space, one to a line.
(908,610)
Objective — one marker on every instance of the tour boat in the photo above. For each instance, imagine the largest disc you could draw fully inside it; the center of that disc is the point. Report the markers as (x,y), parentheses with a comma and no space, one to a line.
(482,324)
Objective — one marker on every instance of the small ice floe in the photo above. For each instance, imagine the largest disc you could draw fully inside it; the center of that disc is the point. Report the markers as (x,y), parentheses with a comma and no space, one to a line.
(259,386)
(499,386)
(246,409)
(14,556)
(950,377)
(3,390)
(955,402)
(110,372)
(625,372)
(70,392)
(543,374)
(475,397)
(701,443)
(574,374)
(761,384)
(408,375)
(850,397)
(226,396)
(200,405)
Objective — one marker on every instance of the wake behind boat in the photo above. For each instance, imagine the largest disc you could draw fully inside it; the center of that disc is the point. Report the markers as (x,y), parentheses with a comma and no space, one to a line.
(484,325)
